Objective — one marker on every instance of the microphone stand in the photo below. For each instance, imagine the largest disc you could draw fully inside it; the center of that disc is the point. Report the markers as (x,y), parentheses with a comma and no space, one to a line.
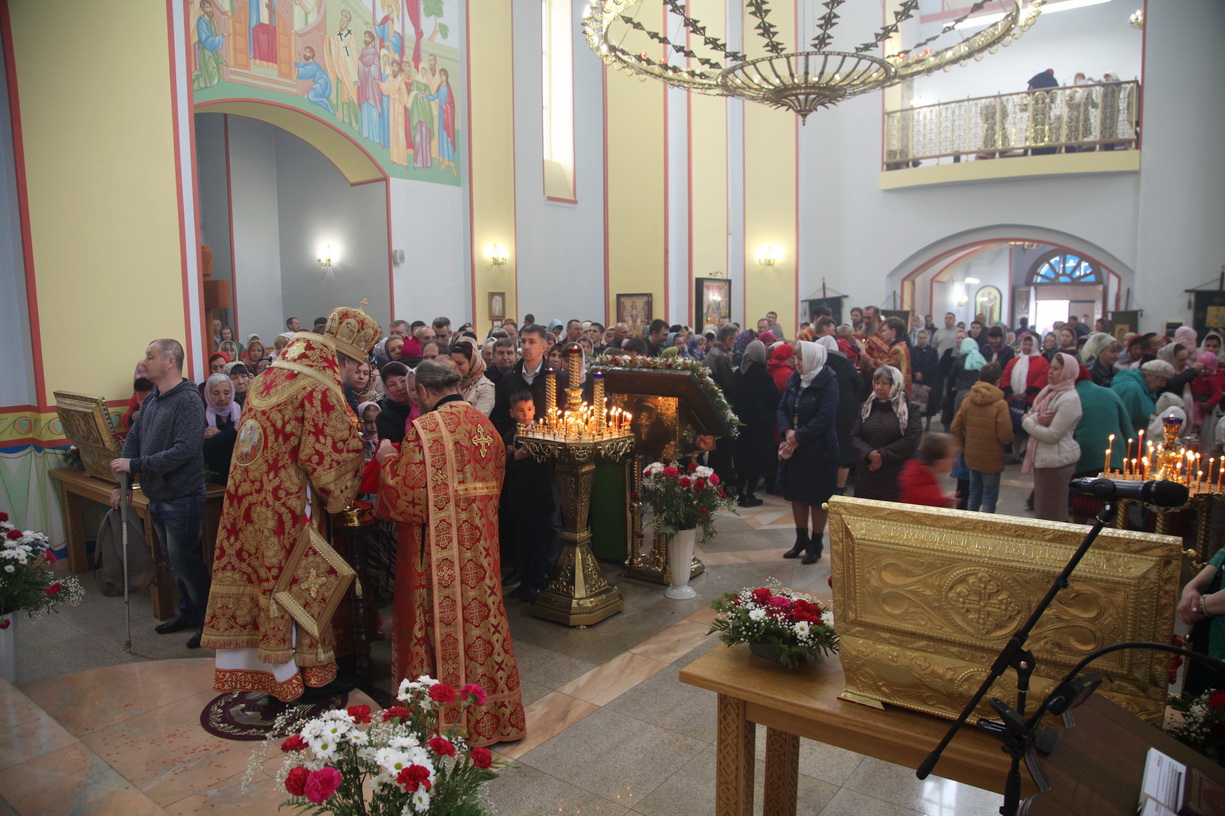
(1013,730)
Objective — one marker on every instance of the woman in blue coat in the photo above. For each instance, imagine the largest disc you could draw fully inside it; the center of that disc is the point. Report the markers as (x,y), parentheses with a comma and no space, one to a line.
(808,453)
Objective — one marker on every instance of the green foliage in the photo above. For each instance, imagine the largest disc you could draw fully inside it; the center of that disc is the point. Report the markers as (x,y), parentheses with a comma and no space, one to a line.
(684,498)
(795,622)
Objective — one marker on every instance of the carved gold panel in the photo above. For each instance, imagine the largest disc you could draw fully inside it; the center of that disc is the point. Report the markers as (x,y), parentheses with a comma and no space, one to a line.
(924,598)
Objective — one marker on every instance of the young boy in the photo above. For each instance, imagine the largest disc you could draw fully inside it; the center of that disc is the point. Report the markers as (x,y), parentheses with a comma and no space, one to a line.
(917,482)
(527,499)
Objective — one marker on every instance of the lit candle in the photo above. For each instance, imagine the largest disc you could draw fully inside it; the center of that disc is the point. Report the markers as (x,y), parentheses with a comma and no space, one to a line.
(1106,469)
(1144,468)
(1140,443)
(1109,449)
(1211,459)
(1127,455)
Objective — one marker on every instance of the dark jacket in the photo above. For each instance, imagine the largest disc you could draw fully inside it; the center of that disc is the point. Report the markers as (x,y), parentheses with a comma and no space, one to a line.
(528,487)
(511,382)
(810,475)
(756,404)
(882,432)
(166,444)
(720,365)
(849,385)
(392,421)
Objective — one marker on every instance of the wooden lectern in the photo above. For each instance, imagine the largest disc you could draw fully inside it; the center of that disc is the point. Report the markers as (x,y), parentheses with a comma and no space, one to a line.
(669,409)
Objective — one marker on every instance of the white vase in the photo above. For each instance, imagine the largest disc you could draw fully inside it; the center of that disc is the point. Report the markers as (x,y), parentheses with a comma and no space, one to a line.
(680,557)
(8,652)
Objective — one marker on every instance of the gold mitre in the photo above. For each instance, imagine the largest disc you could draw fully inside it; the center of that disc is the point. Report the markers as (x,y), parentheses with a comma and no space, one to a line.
(353,331)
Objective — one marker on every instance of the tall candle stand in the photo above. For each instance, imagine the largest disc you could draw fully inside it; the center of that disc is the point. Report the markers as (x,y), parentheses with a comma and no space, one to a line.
(574,434)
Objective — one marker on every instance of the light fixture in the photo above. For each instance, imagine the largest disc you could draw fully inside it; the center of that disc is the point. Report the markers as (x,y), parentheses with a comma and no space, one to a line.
(972,280)
(1048,8)
(812,76)
(325,257)
(1137,19)
(769,254)
(497,254)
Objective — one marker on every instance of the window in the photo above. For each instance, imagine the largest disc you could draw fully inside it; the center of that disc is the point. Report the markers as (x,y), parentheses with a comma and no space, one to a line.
(1064,267)
(557,32)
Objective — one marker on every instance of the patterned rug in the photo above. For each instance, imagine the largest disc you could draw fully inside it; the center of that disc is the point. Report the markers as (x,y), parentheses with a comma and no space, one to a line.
(251,715)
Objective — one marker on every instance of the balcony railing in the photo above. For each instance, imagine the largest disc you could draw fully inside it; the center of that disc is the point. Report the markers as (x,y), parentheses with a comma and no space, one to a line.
(1079,118)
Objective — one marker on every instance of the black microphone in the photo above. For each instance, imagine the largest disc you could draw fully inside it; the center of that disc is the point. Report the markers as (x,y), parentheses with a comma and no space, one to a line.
(1162,494)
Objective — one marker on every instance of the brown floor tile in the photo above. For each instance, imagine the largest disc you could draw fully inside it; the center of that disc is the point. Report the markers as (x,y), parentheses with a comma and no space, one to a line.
(70,781)
(30,732)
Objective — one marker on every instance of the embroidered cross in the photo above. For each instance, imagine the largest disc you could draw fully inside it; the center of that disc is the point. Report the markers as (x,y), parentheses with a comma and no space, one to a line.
(314,583)
(482,440)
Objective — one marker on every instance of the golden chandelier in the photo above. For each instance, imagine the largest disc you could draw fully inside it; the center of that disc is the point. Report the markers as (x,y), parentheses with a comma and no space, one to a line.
(800,81)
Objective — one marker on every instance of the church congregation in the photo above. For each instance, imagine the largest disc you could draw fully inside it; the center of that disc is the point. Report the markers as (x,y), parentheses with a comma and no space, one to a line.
(581,406)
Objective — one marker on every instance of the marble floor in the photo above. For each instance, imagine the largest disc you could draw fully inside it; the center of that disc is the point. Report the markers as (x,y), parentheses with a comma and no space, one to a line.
(91,728)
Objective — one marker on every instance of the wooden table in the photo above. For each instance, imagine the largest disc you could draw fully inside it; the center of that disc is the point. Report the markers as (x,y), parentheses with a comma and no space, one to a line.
(76,486)
(803,702)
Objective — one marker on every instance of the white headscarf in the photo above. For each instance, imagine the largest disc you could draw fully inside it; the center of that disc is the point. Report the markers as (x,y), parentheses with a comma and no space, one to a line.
(812,360)
(897,396)
(1020,369)
(830,344)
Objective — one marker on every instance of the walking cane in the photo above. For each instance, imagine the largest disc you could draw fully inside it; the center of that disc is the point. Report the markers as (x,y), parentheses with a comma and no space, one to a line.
(124,480)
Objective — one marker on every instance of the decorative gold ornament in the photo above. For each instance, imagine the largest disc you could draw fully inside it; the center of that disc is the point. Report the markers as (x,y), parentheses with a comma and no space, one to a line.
(802,80)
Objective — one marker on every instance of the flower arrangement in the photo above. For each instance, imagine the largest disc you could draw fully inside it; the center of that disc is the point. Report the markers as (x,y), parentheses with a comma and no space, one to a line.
(794,622)
(394,763)
(1203,722)
(26,582)
(684,364)
(684,498)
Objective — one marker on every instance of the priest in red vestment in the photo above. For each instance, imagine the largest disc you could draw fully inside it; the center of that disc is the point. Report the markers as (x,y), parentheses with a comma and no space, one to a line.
(298,456)
(450,622)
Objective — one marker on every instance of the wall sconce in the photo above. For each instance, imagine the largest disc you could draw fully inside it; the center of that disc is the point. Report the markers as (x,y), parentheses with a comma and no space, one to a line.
(1137,19)
(769,254)
(497,254)
(325,257)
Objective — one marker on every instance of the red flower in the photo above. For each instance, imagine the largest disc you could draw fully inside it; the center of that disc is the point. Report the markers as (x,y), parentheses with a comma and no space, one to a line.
(634,496)
(702,511)
(779,601)
(442,746)
(14,534)
(396,711)
(722,493)
(1216,699)
(482,758)
(5,623)
(442,693)
(714,478)
(54,589)
(321,784)
(360,714)
(294,743)
(474,691)
(671,471)
(295,783)
(700,484)
(762,595)
(4,516)
(413,777)
(693,466)
(51,559)
(685,481)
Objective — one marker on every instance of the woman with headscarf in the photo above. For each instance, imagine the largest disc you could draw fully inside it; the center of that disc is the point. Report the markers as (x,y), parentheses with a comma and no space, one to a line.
(474,387)
(1024,377)
(1102,414)
(1052,452)
(254,353)
(808,455)
(886,434)
(755,400)
(221,417)
(925,372)
(1050,345)
(964,375)
(742,342)
(361,389)
(781,365)
(849,386)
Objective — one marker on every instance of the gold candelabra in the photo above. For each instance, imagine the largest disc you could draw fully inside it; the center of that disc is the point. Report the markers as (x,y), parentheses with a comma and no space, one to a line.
(574,434)
(1168,460)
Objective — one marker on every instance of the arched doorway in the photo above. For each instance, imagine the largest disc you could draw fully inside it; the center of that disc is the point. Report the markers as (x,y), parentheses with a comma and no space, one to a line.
(294,216)
(1027,265)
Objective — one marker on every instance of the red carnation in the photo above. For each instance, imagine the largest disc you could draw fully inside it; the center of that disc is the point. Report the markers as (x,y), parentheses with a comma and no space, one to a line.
(14,534)
(714,478)
(474,691)
(4,516)
(722,493)
(396,712)
(671,471)
(5,623)
(762,595)
(442,693)
(685,481)
(703,512)
(442,746)
(295,783)
(413,777)
(51,559)
(634,496)
(321,784)
(1216,699)
(692,467)
(360,714)
(54,589)
(294,743)
(482,758)
(700,484)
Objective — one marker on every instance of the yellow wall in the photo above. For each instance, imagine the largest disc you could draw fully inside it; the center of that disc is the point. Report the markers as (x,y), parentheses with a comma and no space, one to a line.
(100,173)
(770,179)
(636,203)
(492,175)
(708,167)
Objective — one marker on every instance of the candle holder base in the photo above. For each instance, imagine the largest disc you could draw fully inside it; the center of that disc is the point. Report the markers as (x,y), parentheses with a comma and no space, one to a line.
(653,566)
(577,594)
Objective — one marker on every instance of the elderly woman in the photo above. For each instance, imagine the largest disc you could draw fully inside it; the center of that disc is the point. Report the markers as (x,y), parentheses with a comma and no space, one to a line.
(755,399)
(1100,353)
(808,455)
(1138,389)
(1052,452)
(885,435)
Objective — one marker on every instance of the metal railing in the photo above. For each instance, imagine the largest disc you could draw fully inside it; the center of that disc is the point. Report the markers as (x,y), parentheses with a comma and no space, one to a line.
(1078,118)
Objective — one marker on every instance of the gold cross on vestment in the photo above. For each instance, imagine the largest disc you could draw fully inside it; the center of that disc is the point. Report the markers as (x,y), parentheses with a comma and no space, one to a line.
(482,439)
(314,583)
